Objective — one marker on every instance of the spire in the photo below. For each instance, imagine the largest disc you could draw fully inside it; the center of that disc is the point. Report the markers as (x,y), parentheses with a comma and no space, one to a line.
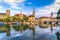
(33,13)
(51,14)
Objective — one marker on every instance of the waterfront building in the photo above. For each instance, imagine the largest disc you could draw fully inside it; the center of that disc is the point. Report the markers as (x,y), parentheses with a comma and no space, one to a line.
(21,15)
(45,19)
(4,15)
(32,17)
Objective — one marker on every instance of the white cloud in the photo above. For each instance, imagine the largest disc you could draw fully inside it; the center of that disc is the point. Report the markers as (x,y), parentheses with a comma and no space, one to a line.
(46,11)
(1,9)
(43,11)
(0,0)
(57,0)
(13,3)
(10,1)
(13,12)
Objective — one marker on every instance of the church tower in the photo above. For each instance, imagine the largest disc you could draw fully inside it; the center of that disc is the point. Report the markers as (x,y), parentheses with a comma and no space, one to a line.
(33,13)
(52,15)
(7,13)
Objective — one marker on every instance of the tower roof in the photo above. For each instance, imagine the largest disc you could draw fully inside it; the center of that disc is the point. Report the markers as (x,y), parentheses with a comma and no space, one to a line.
(16,14)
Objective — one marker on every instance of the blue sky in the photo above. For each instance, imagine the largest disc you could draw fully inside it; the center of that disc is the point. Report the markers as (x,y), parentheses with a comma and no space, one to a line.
(38,3)
(42,7)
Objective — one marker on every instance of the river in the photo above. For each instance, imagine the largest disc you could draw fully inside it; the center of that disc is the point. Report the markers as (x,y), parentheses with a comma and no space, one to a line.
(30,32)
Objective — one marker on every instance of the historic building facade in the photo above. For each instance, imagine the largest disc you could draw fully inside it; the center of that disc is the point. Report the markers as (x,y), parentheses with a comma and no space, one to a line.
(45,19)
(4,15)
(21,15)
(32,17)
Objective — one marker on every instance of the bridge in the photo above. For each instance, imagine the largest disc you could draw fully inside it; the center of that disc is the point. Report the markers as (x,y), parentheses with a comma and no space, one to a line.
(53,22)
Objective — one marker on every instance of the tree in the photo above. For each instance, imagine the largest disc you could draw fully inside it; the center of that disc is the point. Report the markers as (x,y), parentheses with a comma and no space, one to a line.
(1,20)
(13,18)
(58,14)
(58,11)
(7,19)
(58,35)
(18,18)
(7,29)
(25,18)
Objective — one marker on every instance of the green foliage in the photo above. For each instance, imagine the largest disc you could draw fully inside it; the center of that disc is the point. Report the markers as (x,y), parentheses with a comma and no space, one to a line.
(24,26)
(21,27)
(2,29)
(7,27)
(58,13)
(57,17)
(58,35)
(1,20)
(16,28)
(18,18)
(25,18)
(13,18)
(7,19)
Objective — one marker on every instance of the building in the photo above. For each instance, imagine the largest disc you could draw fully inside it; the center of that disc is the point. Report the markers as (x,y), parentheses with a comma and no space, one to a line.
(32,17)
(7,13)
(21,15)
(45,19)
(4,15)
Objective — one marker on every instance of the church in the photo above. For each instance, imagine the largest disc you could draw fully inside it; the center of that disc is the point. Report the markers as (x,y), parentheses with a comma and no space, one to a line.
(32,17)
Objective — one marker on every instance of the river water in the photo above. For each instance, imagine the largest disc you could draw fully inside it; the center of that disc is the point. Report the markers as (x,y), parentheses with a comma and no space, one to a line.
(30,32)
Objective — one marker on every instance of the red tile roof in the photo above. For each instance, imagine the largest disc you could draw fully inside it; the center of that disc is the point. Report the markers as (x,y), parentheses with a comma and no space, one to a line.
(16,14)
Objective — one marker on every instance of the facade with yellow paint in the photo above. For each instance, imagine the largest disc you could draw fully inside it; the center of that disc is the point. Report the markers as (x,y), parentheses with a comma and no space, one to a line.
(32,17)
(46,19)
(21,15)
(4,15)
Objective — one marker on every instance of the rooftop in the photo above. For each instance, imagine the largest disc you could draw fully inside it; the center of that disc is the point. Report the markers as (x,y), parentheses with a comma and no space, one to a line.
(46,17)
(30,16)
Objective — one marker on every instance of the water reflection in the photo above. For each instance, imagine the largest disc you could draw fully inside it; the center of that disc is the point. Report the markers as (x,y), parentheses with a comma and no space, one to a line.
(31,32)
(58,35)
(20,28)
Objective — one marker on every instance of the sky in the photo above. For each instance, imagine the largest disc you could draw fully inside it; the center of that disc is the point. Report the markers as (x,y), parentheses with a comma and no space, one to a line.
(41,7)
